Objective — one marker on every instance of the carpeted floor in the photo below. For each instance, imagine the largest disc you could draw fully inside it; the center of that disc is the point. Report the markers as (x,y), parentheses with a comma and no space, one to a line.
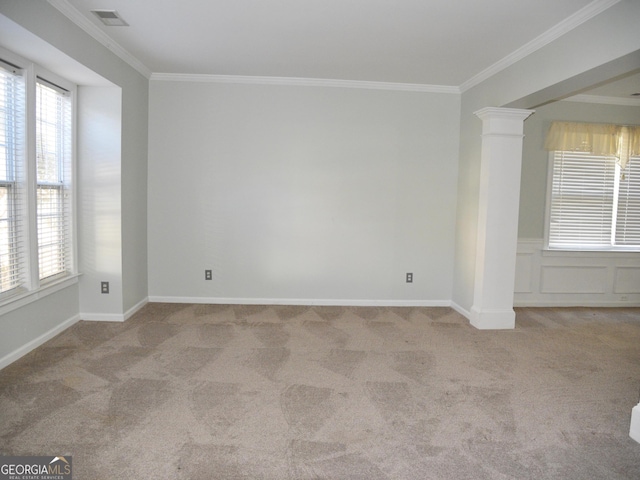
(234,392)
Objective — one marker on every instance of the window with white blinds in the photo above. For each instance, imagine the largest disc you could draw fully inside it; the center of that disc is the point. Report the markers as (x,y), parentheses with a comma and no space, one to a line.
(53,160)
(594,204)
(627,230)
(12,127)
(36,166)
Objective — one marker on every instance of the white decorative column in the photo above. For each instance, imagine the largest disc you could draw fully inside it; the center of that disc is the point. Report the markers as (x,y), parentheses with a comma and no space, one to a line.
(499,199)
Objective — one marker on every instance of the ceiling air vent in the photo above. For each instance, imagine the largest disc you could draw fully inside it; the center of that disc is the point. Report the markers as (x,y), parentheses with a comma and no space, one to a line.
(110,18)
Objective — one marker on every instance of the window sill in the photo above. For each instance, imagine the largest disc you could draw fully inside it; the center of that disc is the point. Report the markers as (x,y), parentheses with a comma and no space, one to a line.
(547,252)
(25,298)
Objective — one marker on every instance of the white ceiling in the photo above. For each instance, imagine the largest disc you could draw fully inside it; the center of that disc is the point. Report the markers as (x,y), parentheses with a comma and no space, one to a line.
(429,42)
(443,44)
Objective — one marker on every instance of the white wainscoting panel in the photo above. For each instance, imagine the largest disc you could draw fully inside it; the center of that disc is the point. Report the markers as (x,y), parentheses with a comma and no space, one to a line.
(627,280)
(573,279)
(556,278)
(524,270)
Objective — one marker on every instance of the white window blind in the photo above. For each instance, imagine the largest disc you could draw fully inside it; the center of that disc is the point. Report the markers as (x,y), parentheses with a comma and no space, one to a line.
(628,211)
(12,196)
(594,204)
(53,160)
(36,173)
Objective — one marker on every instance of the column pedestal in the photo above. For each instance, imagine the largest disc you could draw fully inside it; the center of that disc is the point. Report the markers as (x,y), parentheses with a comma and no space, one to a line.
(634,430)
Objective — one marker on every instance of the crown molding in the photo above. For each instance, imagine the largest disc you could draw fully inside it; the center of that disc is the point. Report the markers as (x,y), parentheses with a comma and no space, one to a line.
(85,24)
(305,82)
(629,102)
(581,16)
(594,8)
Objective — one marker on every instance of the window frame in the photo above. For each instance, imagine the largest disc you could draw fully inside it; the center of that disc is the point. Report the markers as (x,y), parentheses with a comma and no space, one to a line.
(65,184)
(34,288)
(612,248)
(14,154)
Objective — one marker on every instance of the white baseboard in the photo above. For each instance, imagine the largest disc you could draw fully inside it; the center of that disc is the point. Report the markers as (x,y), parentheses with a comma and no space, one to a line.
(503,319)
(634,430)
(102,317)
(132,311)
(36,342)
(304,301)
(575,303)
(114,317)
(462,311)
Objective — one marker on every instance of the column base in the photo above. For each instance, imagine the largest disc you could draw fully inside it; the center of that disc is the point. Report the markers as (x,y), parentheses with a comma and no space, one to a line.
(634,430)
(493,319)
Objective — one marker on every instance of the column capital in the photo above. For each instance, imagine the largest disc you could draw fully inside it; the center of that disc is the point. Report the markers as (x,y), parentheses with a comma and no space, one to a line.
(515,113)
(496,120)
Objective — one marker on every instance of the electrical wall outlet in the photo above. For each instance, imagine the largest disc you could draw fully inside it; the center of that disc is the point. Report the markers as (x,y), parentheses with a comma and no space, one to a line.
(409,277)
(208,275)
(104,287)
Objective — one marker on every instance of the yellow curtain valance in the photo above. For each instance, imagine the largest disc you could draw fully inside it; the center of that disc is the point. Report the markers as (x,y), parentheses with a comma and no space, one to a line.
(632,146)
(596,138)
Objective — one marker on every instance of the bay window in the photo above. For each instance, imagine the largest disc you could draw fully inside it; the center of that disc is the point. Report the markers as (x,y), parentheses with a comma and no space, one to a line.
(36,167)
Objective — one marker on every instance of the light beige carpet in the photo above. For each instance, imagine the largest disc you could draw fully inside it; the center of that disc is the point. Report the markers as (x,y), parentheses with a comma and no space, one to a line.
(234,392)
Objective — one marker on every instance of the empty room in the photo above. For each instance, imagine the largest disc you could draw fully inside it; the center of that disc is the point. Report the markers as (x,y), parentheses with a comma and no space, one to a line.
(320,240)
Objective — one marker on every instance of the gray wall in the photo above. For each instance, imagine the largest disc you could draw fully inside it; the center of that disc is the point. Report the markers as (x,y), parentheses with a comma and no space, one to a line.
(99,113)
(601,48)
(299,193)
(302,192)
(23,329)
(68,51)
